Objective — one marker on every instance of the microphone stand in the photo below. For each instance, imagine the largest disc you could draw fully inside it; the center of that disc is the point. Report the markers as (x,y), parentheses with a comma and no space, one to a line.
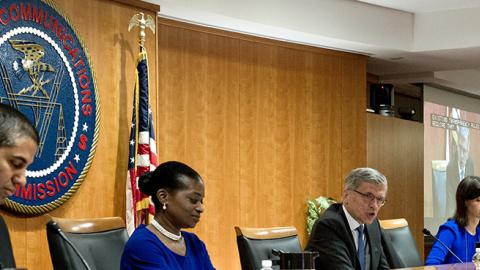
(428,233)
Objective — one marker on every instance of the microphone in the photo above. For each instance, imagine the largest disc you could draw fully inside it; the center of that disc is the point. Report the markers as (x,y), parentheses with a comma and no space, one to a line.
(57,228)
(428,233)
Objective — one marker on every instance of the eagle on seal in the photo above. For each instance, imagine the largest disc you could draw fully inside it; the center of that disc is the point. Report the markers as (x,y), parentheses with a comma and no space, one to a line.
(31,64)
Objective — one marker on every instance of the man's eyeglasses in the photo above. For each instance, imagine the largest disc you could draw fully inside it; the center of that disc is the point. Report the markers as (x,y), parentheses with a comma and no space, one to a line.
(378,200)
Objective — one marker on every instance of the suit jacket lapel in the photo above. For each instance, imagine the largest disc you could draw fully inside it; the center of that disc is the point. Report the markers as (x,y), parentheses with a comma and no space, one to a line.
(351,242)
(373,237)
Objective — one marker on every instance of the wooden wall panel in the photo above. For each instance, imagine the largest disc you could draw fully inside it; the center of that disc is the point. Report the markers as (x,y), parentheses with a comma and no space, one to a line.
(267,124)
(102,25)
(395,147)
(353,100)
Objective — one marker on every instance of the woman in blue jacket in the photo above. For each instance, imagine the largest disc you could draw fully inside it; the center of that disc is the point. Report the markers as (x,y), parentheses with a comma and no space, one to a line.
(177,192)
(462,231)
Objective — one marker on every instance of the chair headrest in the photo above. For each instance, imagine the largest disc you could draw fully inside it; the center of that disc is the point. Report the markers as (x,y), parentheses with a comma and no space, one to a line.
(388,224)
(89,225)
(266,233)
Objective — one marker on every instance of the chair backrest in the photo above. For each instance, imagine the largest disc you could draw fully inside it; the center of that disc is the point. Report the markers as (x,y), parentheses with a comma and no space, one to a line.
(398,234)
(100,241)
(256,244)
(6,253)
(428,241)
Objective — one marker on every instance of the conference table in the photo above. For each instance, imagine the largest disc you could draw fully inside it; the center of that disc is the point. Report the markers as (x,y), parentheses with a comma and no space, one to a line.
(456,266)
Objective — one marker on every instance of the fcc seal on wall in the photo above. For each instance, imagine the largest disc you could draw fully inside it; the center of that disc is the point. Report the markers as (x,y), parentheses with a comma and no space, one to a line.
(47,76)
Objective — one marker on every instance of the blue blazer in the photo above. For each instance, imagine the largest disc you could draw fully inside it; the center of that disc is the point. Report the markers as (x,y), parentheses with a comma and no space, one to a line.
(144,251)
(457,239)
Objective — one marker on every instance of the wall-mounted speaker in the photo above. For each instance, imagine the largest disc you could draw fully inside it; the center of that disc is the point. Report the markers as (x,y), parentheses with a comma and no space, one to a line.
(407,112)
(382,98)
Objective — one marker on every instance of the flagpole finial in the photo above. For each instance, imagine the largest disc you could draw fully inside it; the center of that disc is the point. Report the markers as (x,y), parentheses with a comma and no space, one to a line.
(142,22)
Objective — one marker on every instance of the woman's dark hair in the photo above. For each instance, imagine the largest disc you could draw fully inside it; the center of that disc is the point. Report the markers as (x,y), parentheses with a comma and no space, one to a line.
(171,175)
(468,189)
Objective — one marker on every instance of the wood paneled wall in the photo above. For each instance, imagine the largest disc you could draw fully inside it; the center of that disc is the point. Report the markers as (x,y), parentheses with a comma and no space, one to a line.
(267,124)
(395,147)
(102,25)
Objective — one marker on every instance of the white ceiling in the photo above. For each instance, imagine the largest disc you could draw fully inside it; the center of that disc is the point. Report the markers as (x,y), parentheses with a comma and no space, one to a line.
(403,38)
(421,6)
(456,67)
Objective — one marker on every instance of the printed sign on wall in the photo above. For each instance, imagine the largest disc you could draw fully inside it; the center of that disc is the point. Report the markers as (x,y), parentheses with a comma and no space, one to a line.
(46,75)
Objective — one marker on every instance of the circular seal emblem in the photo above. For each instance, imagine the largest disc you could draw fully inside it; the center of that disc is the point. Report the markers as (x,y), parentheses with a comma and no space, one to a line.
(46,75)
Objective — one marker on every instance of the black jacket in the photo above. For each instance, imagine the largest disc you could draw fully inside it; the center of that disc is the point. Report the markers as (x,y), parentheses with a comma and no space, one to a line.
(332,239)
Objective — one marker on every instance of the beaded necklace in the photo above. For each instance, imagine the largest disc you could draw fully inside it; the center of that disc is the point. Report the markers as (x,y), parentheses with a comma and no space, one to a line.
(164,231)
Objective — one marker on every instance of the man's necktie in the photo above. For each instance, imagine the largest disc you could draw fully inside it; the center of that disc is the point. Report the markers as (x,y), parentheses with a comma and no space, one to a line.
(361,247)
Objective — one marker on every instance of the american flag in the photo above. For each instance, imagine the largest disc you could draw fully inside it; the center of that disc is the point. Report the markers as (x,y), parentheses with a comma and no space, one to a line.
(142,156)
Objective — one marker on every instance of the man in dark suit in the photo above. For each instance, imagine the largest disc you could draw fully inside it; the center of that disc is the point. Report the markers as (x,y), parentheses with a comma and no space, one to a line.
(347,236)
(18,144)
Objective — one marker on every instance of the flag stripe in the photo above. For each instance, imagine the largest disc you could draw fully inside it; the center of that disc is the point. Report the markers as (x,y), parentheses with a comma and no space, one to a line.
(143,137)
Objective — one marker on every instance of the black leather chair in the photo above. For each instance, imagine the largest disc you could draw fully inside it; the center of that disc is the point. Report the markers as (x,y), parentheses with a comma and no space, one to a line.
(100,242)
(256,244)
(6,253)
(400,244)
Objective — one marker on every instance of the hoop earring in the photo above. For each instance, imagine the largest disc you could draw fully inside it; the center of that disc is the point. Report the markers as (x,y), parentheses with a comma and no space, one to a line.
(164,207)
